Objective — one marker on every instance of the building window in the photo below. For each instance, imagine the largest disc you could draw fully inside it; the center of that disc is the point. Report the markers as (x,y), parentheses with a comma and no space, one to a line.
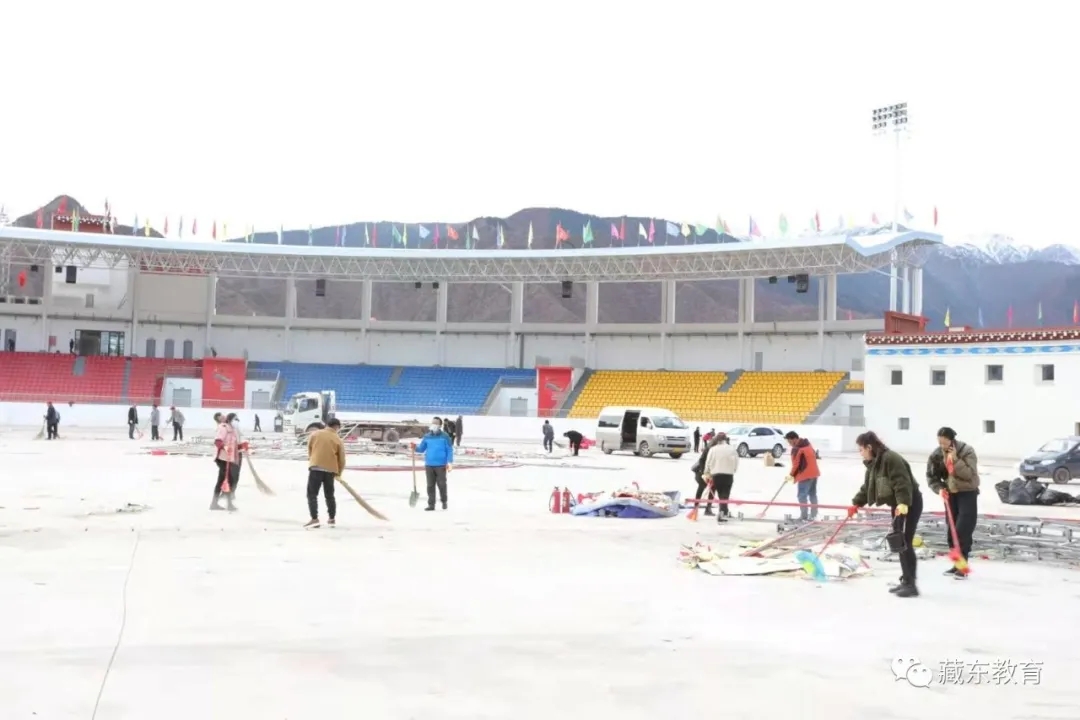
(897,377)
(904,424)
(170,350)
(995,373)
(151,347)
(937,377)
(189,350)
(1046,373)
(989,427)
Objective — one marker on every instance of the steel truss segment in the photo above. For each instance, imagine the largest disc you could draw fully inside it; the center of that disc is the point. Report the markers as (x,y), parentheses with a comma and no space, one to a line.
(706,263)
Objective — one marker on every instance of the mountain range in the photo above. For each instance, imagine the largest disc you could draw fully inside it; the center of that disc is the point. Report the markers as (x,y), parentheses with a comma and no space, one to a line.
(981,278)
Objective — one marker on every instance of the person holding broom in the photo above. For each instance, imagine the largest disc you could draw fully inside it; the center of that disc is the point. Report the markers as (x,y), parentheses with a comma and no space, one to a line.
(720,466)
(888,481)
(326,459)
(225,458)
(952,471)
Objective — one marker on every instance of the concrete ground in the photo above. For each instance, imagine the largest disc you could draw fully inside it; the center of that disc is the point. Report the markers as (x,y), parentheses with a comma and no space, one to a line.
(493,609)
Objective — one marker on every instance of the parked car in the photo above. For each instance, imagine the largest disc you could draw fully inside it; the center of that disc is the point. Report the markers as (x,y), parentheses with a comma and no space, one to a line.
(1057,460)
(752,440)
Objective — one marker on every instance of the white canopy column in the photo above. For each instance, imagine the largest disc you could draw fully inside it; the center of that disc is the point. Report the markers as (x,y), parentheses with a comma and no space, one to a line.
(46,303)
(517,318)
(211,310)
(442,306)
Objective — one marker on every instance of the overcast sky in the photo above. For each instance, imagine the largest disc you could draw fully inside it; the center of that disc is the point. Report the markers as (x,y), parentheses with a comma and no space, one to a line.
(324,113)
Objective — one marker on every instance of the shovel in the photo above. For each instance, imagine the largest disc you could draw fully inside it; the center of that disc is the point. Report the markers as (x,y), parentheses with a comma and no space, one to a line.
(414,496)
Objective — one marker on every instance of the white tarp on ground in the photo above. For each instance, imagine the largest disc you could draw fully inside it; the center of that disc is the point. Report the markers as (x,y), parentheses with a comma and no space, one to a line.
(839,561)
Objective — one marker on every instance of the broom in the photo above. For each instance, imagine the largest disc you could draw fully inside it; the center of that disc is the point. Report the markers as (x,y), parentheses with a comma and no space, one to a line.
(356,496)
(40,433)
(811,562)
(692,515)
(775,495)
(958,560)
(263,487)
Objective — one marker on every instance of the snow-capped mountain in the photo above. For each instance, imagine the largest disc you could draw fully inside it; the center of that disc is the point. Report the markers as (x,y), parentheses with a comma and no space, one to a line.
(1003,250)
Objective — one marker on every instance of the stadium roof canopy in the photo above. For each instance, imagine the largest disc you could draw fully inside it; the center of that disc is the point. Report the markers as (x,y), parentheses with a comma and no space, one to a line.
(814,255)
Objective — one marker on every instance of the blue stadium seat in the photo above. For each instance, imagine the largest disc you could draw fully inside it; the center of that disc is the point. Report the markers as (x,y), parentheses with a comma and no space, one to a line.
(449,390)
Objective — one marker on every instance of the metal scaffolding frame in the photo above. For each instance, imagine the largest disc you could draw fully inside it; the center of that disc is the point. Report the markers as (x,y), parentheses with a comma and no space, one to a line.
(818,256)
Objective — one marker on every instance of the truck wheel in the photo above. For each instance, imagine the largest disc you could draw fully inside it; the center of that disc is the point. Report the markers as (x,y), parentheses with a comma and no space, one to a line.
(675,456)
(644,450)
(392,436)
(1062,476)
(605,448)
(743,450)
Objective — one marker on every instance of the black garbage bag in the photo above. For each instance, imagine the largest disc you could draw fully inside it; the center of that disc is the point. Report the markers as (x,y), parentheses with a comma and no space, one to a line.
(1056,497)
(1002,489)
(1024,492)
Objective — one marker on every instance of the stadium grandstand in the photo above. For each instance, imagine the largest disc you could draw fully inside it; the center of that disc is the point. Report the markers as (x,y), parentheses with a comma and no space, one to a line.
(101,318)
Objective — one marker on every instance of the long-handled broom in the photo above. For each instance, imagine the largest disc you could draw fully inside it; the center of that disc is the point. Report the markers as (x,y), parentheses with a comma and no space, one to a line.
(356,496)
(811,562)
(41,433)
(263,487)
(957,558)
(775,495)
(692,515)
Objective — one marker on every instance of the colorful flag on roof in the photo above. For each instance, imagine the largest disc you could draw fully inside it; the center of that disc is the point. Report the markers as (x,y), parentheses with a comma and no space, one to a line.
(908,217)
(396,234)
(783,224)
(281,234)
(436,242)
(652,232)
(1009,317)
(672,229)
(529,242)
(146,227)
(755,231)
(1040,314)
(75,220)
(500,238)
(424,232)
(310,235)
(935,216)
(643,234)
(614,231)
(451,233)
(948,318)
(367,237)
(981,323)
(622,231)
(475,235)
(135,226)
(561,235)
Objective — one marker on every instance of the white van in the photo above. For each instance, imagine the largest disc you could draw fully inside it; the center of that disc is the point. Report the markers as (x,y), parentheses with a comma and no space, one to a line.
(643,430)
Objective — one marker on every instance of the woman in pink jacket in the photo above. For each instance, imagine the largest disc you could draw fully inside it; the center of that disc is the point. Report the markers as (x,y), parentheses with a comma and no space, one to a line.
(228,448)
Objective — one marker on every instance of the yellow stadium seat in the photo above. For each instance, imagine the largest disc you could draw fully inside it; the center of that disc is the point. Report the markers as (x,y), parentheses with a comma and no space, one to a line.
(780,397)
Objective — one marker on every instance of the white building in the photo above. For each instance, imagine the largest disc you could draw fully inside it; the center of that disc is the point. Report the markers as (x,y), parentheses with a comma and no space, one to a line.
(1006,392)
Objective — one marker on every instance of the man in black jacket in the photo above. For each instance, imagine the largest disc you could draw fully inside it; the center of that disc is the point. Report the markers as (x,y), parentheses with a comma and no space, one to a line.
(697,438)
(457,431)
(575,439)
(52,421)
(133,422)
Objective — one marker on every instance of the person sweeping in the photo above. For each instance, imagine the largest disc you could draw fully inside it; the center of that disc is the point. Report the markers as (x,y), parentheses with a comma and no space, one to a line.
(326,459)
(888,481)
(952,471)
(228,448)
(720,466)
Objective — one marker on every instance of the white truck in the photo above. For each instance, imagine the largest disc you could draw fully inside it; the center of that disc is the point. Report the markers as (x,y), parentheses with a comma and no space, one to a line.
(309,411)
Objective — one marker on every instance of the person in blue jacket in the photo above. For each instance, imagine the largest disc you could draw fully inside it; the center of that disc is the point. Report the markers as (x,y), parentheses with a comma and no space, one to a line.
(438,461)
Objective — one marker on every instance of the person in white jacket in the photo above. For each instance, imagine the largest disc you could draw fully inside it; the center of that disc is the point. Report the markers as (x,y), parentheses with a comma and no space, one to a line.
(721,464)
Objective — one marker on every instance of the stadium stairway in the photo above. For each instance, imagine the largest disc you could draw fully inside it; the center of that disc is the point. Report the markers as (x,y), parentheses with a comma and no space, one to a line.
(572,398)
(125,389)
(837,390)
(440,390)
(752,396)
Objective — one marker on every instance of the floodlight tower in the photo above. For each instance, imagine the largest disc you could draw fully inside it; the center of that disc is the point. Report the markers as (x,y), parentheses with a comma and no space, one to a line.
(894,118)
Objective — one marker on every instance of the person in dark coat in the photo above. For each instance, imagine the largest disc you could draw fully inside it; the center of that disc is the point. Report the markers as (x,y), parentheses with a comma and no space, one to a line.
(450,429)
(575,438)
(133,422)
(697,438)
(952,471)
(457,431)
(258,424)
(549,436)
(702,481)
(888,481)
(52,421)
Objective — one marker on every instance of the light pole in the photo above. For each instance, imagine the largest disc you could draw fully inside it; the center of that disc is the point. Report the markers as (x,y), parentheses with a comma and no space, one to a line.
(894,118)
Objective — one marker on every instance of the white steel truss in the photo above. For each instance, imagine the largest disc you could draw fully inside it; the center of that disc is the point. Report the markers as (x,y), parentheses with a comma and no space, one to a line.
(703,262)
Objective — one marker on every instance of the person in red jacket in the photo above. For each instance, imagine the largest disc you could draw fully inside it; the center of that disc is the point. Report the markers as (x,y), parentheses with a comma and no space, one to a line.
(805,474)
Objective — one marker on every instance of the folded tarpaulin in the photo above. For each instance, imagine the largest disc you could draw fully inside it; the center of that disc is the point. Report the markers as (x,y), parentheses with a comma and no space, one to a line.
(628,507)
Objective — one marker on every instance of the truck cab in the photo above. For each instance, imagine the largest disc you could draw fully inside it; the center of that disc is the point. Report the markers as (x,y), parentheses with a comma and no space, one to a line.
(643,431)
(309,411)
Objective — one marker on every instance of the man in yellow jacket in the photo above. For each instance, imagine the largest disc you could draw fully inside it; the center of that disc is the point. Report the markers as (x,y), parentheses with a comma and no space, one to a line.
(326,459)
